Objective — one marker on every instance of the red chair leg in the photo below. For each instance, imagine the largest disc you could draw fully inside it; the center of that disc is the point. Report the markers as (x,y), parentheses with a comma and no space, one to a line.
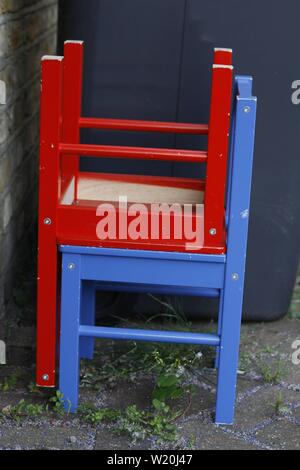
(50,135)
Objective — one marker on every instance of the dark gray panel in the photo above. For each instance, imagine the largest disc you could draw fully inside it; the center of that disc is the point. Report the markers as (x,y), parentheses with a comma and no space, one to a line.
(140,59)
(132,69)
(265,38)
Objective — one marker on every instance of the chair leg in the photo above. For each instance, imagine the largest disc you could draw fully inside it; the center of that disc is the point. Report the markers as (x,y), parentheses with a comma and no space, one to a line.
(46,315)
(69,333)
(220,317)
(229,351)
(87,318)
(238,215)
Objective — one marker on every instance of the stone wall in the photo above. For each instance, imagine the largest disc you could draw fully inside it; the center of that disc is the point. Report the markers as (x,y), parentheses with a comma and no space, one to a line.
(28,30)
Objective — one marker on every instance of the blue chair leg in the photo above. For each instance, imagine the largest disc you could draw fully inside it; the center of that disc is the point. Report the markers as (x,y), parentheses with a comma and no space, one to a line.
(69,332)
(238,214)
(88,302)
(220,318)
(229,351)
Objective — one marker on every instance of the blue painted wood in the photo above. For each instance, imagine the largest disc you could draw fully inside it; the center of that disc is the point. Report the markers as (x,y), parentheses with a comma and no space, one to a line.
(220,317)
(164,272)
(175,270)
(126,253)
(239,201)
(230,162)
(160,336)
(88,307)
(69,331)
(85,269)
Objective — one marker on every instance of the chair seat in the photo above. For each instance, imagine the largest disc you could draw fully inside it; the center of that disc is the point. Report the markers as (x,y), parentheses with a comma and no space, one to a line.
(103,187)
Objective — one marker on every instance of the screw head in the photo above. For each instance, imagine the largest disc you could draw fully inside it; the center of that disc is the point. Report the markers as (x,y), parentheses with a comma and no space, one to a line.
(212,231)
(47,221)
(45,377)
(71,266)
(235,277)
(247,109)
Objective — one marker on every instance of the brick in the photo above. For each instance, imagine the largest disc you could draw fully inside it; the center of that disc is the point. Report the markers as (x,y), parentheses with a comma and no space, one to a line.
(36,23)
(12,37)
(27,31)
(25,67)
(10,6)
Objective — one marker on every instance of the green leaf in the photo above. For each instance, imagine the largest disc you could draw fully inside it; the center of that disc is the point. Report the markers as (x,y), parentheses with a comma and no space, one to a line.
(165,393)
(158,405)
(167,380)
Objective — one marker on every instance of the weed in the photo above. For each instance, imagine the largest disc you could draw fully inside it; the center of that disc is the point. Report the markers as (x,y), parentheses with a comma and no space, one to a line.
(125,363)
(158,421)
(269,349)
(141,424)
(133,422)
(93,415)
(57,403)
(23,409)
(9,382)
(167,387)
(169,363)
(172,311)
(32,388)
(245,361)
(162,423)
(272,373)
(34,409)
(280,407)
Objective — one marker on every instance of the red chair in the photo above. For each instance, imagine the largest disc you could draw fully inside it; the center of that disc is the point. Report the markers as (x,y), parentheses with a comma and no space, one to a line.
(68,197)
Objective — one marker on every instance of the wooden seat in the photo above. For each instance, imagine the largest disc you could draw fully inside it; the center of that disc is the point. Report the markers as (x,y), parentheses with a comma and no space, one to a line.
(103,187)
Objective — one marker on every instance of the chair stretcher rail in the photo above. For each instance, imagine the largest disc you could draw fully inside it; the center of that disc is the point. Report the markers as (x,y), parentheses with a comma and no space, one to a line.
(109,151)
(159,336)
(143,126)
(164,290)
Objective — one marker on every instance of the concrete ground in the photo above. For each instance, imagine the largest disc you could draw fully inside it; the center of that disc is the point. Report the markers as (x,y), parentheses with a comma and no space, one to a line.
(267,406)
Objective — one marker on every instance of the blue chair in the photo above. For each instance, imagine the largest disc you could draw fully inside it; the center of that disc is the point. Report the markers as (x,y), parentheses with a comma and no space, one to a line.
(86,269)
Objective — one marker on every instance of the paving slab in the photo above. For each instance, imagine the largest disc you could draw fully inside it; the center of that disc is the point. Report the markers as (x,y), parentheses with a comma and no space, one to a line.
(211,437)
(281,434)
(267,414)
(29,436)
(106,438)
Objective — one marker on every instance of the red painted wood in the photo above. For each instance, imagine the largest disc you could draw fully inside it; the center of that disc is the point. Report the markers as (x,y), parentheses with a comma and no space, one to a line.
(222,56)
(216,167)
(143,126)
(73,64)
(110,151)
(50,134)
(76,225)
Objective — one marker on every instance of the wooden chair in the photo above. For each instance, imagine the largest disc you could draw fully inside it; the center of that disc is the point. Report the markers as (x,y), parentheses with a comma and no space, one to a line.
(68,202)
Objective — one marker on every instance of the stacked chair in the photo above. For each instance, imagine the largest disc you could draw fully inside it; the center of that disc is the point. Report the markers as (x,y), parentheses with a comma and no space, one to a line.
(73,262)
